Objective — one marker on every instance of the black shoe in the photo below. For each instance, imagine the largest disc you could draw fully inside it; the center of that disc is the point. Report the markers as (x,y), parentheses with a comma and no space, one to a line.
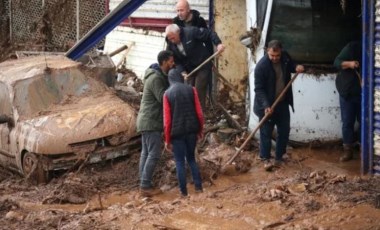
(268,166)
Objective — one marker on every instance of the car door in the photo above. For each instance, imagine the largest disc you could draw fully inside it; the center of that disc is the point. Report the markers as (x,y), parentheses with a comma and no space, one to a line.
(5,109)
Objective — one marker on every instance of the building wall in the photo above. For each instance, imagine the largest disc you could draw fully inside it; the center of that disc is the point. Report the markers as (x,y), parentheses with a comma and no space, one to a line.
(146,43)
(230,23)
(143,47)
(164,9)
(52,24)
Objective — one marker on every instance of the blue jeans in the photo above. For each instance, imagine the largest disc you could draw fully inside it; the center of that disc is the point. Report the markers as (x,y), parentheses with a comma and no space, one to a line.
(350,109)
(183,148)
(150,155)
(281,119)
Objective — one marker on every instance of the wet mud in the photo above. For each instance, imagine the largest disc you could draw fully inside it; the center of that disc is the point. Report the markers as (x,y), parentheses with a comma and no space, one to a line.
(311,190)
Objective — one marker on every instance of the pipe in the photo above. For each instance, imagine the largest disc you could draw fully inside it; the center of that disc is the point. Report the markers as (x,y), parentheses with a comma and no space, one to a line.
(364,125)
(78,20)
(10,21)
(370,90)
(367,74)
(264,33)
(108,23)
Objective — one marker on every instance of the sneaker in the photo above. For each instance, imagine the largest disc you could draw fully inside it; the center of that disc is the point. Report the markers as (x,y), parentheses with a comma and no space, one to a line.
(278,163)
(198,190)
(149,192)
(268,166)
(184,195)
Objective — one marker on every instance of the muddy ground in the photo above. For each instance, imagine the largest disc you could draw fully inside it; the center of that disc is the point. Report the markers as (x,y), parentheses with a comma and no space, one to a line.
(312,190)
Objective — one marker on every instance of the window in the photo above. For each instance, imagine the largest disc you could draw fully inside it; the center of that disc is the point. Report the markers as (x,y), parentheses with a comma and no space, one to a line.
(314,31)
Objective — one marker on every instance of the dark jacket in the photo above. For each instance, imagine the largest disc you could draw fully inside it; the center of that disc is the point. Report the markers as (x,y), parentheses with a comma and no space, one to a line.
(192,39)
(196,21)
(150,117)
(265,83)
(182,111)
(347,81)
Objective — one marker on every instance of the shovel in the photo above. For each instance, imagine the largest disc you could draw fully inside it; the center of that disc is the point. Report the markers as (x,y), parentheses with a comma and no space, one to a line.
(261,122)
(202,64)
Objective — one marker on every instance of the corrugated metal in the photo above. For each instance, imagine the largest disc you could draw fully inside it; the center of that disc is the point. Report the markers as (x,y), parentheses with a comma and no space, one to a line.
(376,106)
(164,8)
(147,44)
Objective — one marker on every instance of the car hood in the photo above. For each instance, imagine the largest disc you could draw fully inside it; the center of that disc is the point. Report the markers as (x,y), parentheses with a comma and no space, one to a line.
(52,134)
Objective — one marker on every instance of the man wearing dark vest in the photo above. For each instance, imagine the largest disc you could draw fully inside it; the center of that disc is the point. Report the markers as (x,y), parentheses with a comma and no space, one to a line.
(183,122)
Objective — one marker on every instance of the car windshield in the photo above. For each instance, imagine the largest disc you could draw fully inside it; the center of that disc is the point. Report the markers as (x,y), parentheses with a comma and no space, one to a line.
(53,91)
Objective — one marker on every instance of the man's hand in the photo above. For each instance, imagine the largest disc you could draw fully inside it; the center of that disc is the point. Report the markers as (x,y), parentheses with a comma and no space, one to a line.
(184,75)
(300,69)
(220,48)
(350,65)
(168,148)
(268,111)
(354,64)
(200,136)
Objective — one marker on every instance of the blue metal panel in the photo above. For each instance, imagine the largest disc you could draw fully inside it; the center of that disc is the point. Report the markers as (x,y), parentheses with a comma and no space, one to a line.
(365,111)
(108,23)
(374,88)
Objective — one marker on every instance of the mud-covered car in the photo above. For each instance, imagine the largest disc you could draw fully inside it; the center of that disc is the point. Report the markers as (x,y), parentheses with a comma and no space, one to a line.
(55,116)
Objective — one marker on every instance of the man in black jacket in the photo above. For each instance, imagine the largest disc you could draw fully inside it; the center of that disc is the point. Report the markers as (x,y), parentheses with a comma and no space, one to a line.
(186,43)
(272,73)
(189,17)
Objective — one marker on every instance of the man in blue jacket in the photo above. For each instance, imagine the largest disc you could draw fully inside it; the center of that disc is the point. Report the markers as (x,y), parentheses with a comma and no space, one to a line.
(272,74)
(150,119)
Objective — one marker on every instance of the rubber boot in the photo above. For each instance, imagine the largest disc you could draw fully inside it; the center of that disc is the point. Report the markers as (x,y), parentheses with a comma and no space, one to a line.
(348,152)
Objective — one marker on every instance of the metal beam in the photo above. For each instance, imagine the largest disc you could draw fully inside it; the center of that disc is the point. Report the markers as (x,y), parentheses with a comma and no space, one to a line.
(108,23)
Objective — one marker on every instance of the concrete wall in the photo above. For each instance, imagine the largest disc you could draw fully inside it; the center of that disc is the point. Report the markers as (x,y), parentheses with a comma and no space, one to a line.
(230,23)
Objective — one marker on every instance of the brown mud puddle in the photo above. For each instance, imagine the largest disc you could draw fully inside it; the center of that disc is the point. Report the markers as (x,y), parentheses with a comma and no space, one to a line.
(312,190)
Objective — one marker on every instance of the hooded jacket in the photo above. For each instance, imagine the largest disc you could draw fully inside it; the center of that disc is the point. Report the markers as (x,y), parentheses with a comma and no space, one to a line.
(182,109)
(150,117)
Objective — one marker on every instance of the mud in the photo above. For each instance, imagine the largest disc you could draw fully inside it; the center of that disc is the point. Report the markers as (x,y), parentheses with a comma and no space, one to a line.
(309,191)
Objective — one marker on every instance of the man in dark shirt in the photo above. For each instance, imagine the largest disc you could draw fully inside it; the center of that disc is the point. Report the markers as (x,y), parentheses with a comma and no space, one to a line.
(348,83)
(272,73)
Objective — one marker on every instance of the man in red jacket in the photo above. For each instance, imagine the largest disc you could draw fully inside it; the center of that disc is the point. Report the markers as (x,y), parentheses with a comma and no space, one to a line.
(183,122)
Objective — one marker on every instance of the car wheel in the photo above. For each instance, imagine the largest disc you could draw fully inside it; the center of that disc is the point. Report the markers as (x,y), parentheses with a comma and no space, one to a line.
(33,170)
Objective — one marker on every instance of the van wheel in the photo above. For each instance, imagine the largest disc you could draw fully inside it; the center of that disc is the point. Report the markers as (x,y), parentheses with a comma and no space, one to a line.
(33,169)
